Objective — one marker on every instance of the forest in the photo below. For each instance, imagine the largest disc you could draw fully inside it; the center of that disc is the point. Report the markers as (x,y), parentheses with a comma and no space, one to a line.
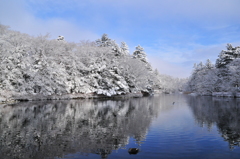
(35,68)
(221,79)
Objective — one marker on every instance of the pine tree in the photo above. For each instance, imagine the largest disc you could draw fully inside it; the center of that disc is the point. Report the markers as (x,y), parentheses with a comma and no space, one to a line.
(124,48)
(60,38)
(209,64)
(227,56)
(198,67)
(229,47)
(140,54)
(116,49)
(104,41)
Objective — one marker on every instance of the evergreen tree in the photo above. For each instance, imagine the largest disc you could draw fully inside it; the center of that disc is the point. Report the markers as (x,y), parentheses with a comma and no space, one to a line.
(60,38)
(140,54)
(229,47)
(198,67)
(104,41)
(124,48)
(116,49)
(207,79)
(209,64)
(226,56)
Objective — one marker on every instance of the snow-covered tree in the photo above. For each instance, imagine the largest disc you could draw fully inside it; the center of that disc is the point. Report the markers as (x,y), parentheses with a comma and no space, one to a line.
(139,53)
(209,64)
(60,38)
(116,49)
(234,68)
(198,67)
(229,47)
(104,41)
(226,56)
(207,79)
(41,68)
(124,48)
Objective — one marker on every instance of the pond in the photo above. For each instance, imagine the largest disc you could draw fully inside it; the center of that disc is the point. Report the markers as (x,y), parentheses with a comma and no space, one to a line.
(163,126)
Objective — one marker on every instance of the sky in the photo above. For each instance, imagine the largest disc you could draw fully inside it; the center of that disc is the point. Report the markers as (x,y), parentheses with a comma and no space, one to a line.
(175,34)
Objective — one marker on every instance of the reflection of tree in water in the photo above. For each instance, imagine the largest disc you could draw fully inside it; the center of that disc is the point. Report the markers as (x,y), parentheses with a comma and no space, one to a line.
(222,111)
(56,128)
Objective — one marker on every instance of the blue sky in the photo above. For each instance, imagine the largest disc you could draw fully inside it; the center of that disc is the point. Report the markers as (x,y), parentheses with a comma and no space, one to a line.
(174,33)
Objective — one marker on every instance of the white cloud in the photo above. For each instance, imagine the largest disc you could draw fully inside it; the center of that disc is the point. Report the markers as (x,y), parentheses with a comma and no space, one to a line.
(13,14)
(202,11)
(205,12)
(168,68)
(179,62)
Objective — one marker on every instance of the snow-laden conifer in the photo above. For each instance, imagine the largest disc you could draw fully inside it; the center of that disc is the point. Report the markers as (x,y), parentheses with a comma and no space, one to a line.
(209,64)
(226,56)
(104,41)
(139,53)
(124,48)
(220,80)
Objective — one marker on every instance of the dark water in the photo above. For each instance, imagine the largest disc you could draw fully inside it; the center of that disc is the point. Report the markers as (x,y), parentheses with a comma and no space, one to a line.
(191,127)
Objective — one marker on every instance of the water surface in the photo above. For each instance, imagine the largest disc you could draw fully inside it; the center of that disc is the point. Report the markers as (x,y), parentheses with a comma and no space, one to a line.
(164,126)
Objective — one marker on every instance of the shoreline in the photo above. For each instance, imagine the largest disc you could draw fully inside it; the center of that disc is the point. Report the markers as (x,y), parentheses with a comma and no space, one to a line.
(39,97)
(216,94)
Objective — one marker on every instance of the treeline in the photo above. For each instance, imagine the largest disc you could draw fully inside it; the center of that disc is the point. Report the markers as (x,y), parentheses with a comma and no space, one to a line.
(38,67)
(221,79)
